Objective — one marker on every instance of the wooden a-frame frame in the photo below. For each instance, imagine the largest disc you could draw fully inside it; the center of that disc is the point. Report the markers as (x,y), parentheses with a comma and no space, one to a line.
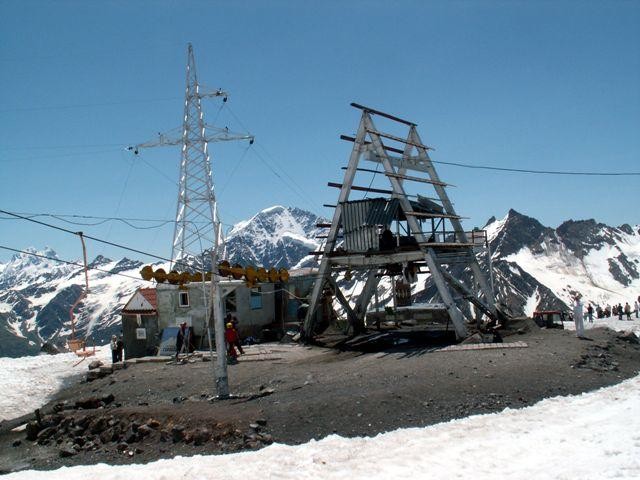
(368,145)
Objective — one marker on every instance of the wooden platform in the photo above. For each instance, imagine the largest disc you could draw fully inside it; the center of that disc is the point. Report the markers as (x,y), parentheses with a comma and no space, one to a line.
(482,346)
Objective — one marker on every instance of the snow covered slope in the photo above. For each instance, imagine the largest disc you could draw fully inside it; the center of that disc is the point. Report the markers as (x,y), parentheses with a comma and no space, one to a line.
(600,262)
(277,236)
(36,293)
(588,436)
(534,267)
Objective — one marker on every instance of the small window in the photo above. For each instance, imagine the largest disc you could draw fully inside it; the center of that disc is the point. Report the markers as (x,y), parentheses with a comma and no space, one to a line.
(256,299)
(184,299)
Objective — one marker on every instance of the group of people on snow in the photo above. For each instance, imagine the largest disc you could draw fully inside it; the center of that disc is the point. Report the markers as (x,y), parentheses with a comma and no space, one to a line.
(579,312)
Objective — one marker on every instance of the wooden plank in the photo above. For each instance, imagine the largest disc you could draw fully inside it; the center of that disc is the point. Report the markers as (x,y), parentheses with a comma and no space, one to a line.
(389,149)
(418,179)
(432,215)
(446,244)
(383,114)
(362,189)
(398,139)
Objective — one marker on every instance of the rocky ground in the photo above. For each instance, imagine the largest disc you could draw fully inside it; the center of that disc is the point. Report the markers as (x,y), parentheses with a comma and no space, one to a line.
(291,394)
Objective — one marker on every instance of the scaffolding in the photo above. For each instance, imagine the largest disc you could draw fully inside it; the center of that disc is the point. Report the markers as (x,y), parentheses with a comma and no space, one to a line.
(398,234)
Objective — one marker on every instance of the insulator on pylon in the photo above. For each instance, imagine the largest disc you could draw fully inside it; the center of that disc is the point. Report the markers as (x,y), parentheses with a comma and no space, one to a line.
(160,275)
(147,272)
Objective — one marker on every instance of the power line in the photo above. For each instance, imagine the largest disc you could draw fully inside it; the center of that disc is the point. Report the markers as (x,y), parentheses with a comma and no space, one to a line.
(106,242)
(102,220)
(71,263)
(299,191)
(544,172)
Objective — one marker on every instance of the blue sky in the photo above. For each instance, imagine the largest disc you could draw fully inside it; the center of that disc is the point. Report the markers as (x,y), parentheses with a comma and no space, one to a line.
(533,85)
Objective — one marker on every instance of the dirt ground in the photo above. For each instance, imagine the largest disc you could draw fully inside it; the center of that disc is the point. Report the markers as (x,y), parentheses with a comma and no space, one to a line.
(288,393)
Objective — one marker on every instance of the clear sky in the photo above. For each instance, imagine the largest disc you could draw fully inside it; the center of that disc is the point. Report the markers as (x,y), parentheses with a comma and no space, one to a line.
(535,85)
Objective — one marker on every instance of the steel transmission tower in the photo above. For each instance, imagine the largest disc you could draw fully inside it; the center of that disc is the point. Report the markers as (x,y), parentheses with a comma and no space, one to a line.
(197,226)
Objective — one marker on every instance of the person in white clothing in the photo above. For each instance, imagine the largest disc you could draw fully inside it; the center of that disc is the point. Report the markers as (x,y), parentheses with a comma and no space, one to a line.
(578,317)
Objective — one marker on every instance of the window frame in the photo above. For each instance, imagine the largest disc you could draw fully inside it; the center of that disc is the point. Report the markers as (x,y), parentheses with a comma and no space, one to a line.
(180,297)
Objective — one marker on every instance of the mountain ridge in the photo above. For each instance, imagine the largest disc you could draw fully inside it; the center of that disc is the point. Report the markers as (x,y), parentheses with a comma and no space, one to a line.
(534,266)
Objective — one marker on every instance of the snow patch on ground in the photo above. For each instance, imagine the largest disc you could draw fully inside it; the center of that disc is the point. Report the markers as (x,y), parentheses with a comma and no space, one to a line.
(613,323)
(28,383)
(589,436)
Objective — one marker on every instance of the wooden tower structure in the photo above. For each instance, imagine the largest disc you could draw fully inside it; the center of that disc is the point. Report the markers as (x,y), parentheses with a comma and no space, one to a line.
(428,233)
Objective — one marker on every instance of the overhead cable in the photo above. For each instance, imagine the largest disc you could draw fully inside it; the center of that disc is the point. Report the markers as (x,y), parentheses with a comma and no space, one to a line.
(71,263)
(95,239)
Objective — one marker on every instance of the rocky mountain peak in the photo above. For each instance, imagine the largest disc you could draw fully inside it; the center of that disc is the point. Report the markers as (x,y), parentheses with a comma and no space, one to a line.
(514,231)
(277,236)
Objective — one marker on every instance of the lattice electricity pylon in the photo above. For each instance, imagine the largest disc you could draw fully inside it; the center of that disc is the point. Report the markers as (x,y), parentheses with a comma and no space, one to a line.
(197,224)
(369,245)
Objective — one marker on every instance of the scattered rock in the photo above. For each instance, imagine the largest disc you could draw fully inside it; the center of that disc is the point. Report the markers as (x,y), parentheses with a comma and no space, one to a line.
(32,430)
(44,434)
(153,423)
(177,433)
(95,364)
(201,436)
(629,337)
(67,450)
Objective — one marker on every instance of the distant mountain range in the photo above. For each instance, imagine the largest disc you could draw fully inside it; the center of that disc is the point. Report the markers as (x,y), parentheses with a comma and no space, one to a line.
(534,267)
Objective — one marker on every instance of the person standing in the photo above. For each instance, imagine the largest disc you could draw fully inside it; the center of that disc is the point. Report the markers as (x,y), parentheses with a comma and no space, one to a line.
(578,317)
(114,349)
(620,311)
(235,323)
(636,306)
(231,336)
(120,348)
(627,310)
(590,313)
(180,338)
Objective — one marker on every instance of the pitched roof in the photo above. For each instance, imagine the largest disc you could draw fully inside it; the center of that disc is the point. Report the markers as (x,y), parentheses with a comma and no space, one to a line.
(151,295)
(145,300)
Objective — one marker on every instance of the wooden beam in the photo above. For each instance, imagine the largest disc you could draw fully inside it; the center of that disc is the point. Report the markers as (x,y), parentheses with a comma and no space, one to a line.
(362,189)
(323,225)
(389,149)
(398,139)
(432,215)
(418,179)
(383,114)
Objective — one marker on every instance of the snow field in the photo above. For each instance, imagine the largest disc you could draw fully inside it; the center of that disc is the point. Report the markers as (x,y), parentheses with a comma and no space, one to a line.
(590,436)
(28,383)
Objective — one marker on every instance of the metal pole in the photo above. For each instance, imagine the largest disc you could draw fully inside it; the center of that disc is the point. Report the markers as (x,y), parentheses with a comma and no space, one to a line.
(222,378)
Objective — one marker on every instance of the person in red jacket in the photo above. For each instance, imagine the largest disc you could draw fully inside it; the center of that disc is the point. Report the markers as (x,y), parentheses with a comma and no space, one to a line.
(231,336)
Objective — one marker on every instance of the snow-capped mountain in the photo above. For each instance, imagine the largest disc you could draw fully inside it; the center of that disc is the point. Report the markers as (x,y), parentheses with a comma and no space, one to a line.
(275,237)
(36,293)
(600,262)
(534,267)
(537,267)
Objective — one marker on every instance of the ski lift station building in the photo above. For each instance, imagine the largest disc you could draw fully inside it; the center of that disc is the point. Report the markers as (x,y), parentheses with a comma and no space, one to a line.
(154,313)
